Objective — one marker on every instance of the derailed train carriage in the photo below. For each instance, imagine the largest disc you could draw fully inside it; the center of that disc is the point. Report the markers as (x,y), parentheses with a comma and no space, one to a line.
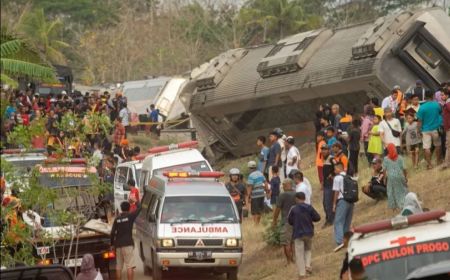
(246,92)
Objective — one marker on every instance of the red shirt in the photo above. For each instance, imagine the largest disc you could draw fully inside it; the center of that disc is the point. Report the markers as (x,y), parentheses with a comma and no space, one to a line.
(133,198)
(25,119)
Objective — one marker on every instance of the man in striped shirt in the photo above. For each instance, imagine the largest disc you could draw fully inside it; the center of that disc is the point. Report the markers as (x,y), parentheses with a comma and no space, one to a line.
(256,188)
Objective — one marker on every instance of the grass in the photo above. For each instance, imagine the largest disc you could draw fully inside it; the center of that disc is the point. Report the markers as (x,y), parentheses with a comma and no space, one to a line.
(266,262)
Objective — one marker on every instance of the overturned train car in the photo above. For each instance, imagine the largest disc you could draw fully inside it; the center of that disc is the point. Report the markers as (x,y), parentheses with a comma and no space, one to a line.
(246,92)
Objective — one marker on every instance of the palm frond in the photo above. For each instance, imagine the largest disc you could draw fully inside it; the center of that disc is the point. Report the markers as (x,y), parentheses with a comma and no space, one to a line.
(8,80)
(10,47)
(18,67)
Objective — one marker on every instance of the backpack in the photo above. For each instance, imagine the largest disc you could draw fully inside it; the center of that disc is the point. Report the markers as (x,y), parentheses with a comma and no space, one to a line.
(350,193)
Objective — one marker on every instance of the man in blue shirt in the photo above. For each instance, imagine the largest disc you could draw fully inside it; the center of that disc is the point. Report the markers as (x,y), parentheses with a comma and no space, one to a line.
(301,217)
(154,113)
(263,155)
(430,119)
(256,188)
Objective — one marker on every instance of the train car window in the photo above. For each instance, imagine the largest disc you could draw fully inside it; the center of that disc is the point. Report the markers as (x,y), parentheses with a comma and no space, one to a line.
(429,54)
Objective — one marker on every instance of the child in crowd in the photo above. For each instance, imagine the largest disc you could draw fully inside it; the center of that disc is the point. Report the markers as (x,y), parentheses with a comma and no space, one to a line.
(274,185)
(413,138)
(375,144)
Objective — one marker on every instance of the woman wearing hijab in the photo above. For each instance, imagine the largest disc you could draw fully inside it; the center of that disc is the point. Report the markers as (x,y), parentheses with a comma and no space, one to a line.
(412,205)
(88,271)
(396,178)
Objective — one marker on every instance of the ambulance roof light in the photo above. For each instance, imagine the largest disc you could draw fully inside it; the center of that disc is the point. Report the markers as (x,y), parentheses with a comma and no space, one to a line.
(141,156)
(66,160)
(21,151)
(198,174)
(182,145)
(400,222)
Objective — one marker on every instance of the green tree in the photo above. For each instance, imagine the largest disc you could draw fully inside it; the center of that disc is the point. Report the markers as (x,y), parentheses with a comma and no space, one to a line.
(272,19)
(44,34)
(18,59)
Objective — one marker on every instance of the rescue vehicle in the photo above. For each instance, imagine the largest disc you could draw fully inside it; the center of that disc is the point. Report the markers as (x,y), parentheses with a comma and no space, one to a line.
(404,246)
(188,220)
(182,156)
(72,182)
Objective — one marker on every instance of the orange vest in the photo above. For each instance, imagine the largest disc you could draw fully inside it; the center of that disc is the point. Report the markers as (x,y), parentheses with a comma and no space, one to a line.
(319,158)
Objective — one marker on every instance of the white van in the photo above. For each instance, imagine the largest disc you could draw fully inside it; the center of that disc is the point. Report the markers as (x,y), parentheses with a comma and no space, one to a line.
(124,172)
(159,159)
(188,220)
(403,247)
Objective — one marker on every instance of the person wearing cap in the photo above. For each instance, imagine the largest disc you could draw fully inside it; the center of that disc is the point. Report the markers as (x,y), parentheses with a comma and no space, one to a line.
(274,158)
(327,186)
(256,188)
(237,190)
(293,158)
(285,202)
(390,130)
(429,121)
(338,155)
(302,218)
(391,101)
(376,188)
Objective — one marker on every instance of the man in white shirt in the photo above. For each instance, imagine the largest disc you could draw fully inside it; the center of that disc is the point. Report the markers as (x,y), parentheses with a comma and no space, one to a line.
(125,115)
(386,128)
(343,210)
(302,186)
(391,101)
(293,155)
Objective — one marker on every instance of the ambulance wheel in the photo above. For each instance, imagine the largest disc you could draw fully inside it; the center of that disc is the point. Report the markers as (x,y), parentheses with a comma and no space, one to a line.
(232,274)
(156,269)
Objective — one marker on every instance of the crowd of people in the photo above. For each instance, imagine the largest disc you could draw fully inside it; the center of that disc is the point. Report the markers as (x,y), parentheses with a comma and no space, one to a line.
(108,117)
(405,124)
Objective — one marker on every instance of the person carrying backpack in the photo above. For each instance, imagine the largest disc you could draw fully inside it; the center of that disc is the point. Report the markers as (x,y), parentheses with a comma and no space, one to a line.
(345,195)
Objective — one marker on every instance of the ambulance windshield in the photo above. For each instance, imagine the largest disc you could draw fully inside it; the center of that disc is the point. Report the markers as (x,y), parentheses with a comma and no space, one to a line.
(198,209)
(398,262)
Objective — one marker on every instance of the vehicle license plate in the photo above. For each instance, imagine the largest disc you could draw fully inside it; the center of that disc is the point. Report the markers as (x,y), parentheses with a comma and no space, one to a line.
(73,262)
(200,255)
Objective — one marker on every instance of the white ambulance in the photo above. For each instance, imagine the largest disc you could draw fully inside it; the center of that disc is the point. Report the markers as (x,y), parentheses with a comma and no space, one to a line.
(404,247)
(182,156)
(188,220)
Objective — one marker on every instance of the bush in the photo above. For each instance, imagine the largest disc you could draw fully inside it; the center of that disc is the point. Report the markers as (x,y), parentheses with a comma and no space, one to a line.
(272,236)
